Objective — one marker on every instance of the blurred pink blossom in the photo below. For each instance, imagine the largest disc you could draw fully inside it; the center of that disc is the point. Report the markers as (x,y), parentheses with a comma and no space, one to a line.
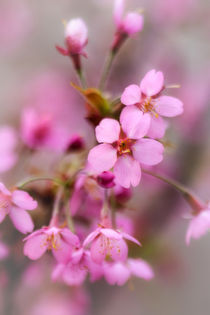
(8,140)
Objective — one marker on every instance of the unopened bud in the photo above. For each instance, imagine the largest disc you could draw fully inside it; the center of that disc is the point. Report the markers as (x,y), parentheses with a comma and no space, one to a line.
(76,143)
(106,180)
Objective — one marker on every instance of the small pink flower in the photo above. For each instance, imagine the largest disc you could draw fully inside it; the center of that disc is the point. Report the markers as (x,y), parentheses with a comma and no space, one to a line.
(108,242)
(15,203)
(119,272)
(147,98)
(131,24)
(76,38)
(199,225)
(60,241)
(8,140)
(123,148)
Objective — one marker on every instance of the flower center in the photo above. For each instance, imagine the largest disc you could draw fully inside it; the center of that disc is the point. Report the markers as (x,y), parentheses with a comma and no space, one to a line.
(52,241)
(124,146)
(147,106)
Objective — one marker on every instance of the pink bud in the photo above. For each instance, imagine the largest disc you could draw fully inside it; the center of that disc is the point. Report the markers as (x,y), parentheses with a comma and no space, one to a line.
(106,180)
(75,143)
(76,36)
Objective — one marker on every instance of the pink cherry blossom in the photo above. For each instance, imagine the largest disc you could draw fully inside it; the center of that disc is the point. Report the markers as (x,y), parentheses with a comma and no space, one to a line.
(60,240)
(123,147)
(8,140)
(199,225)
(119,272)
(131,24)
(108,242)
(15,203)
(76,38)
(148,99)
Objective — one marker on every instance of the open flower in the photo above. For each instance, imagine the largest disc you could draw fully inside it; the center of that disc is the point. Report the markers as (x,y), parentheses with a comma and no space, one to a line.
(146,97)
(106,242)
(199,224)
(123,148)
(119,272)
(15,203)
(61,241)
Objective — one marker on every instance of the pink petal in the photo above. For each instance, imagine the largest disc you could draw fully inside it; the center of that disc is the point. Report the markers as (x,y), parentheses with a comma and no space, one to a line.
(8,139)
(118,11)
(102,157)
(152,83)
(62,251)
(3,212)
(91,237)
(108,130)
(7,161)
(35,246)
(168,106)
(133,23)
(131,95)
(134,123)
(74,274)
(198,226)
(70,237)
(98,249)
(130,238)
(116,273)
(148,151)
(157,127)
(110,233)
(118,250)
(4,190)
(58,271)
(127,171)
(23,200)
(21,220)
(140,268)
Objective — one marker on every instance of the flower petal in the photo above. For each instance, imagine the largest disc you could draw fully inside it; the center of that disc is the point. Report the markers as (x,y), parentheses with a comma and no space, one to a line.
(148,151)
(152,83)
(108,130)
(98,249)
(116,273)
(23,200)
(63,251)
(118,11)
(127,171)
(131,95)
(140,268)
(3,213)
(110,233)
(35,246)
(134,123)
(4,190)
(130,238)
(91,237)
(198,226)
(157,127)
(133,23)
(21,220)
(168,106)
(118,250)
(102,157)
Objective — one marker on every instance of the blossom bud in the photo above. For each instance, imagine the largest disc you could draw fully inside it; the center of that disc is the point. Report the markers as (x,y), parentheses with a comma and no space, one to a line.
(106,180)
(76,36)
(75,143)
(122,194)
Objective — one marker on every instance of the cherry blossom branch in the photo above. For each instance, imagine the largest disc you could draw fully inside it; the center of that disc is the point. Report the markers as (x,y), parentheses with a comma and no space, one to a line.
(35,179)
(189,196)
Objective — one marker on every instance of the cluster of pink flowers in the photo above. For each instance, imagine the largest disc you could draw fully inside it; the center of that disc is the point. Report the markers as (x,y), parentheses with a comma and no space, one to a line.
(89,232)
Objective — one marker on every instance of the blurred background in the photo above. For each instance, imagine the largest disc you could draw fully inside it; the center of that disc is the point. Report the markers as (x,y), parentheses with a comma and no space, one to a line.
(175,39)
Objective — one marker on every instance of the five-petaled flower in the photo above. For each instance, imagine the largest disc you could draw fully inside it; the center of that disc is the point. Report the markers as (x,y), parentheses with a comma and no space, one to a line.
(124,148)
(147,97)
(108,243)
(15,203)
(61,241)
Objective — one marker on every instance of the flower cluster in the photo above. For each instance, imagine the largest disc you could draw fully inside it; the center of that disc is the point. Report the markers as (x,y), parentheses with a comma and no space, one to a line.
(85,189)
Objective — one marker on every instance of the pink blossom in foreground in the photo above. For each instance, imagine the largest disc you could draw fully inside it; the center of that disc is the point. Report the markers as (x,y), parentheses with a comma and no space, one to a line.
(8,140)
(15,203)
(123,148)
(76,38)
(118,273)
(147,98)
(132,23)
(108,242)
(199,225)
(76,270)
(61,241)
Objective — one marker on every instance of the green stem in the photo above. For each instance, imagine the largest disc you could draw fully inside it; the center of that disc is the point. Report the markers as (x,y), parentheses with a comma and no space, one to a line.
(36,179)
(106,71)
(189,196)
(81,78)
(56,207)
(69,219)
